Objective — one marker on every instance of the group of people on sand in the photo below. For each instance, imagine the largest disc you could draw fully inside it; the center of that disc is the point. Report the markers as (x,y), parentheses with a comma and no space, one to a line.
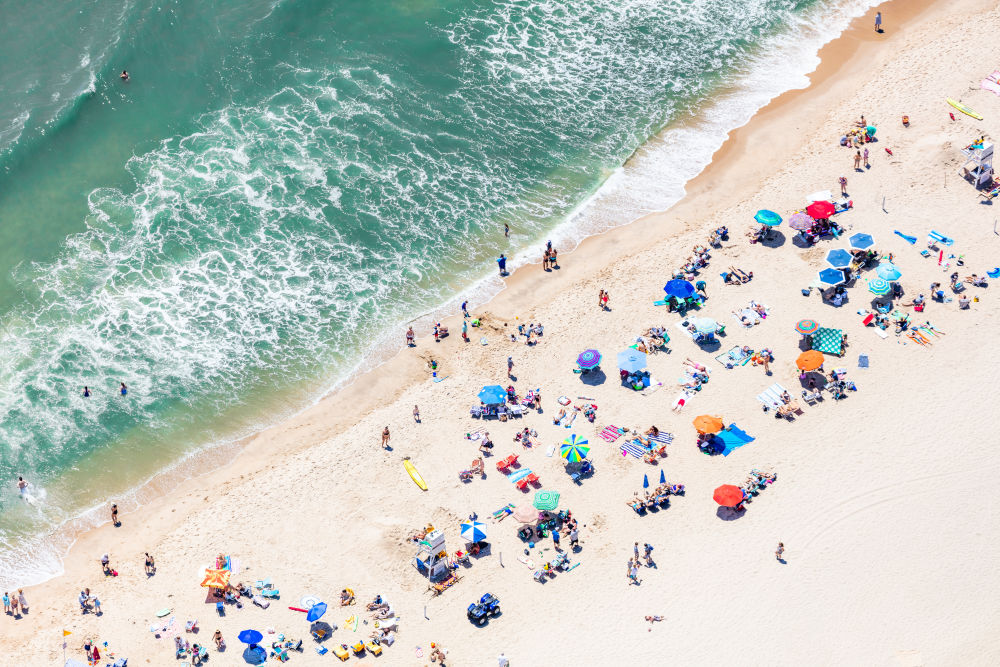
(15,605)
(549,258)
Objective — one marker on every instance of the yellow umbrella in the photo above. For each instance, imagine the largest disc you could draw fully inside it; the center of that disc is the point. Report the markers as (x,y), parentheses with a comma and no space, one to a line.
(708,424)
(216,578)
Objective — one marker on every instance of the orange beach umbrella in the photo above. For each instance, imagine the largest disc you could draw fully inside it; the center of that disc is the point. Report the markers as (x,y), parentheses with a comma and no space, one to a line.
(728,495)
(809,361)
(216,578)
(708,424)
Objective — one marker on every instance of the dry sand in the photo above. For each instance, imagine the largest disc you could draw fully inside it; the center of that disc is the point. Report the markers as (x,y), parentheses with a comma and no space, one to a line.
(882,499)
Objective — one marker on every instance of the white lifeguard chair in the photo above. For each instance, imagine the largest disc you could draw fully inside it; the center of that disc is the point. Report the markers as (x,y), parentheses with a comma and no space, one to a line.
(978,167)
(432,559)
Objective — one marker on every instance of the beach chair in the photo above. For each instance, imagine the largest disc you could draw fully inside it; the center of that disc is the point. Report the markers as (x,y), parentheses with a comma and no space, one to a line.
(220,608)
(503,465)
(811,397)
(374,647)
(272,593)
(476,412)
(516,411)
(342,652)
(191,626)
(261,602)
(358,648)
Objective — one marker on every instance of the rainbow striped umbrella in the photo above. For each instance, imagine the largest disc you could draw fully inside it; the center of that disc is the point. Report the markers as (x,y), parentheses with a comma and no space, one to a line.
(879,286)
(807,327)
(574,448)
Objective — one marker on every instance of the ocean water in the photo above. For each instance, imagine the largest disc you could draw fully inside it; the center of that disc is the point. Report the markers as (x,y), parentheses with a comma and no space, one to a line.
(282,185)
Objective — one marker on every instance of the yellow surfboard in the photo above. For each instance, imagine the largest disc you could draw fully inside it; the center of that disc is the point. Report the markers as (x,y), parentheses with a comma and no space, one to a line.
(964,109)
(414,475)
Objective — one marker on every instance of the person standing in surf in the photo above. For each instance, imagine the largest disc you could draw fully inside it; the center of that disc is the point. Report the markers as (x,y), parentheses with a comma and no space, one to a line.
(878,21)
(502,263)
(22,486)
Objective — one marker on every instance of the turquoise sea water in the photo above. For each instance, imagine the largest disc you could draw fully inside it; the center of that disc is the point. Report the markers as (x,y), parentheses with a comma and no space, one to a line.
(281,185)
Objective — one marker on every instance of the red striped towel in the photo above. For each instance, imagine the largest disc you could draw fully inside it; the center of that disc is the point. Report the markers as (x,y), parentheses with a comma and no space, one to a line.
(610,433)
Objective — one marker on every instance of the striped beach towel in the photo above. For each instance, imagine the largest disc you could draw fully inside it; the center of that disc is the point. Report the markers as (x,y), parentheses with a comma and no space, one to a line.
(635,448)
(662,438)
(610,433)
(519,474)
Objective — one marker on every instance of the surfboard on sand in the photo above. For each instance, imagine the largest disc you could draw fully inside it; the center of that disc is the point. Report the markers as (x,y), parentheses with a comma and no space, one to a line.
(964,109)
(414,475)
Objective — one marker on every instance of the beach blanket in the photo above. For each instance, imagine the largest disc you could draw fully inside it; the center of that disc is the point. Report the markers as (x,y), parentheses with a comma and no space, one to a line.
(635,448)
(683,326)
(829,341)
(732,438)
(751,315)
(862,361)
(733,357)
(519,474)
(610,433)
(992,82)
(662,438)
(504,511)
(909,239)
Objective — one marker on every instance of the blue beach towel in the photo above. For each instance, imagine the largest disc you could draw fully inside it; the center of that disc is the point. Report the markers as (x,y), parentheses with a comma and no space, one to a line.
(732,438)
(995,273)
(938,237)
(910,239)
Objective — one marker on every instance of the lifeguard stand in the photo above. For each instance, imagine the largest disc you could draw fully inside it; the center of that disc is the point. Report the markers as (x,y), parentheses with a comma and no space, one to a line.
(432,559)
(978,167)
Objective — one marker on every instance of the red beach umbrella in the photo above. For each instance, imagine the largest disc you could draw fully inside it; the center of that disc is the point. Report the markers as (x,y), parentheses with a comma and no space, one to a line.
(820,210)
(728,495)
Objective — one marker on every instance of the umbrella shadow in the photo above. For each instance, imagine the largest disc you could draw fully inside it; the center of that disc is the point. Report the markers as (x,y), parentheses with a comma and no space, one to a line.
(321,627)
(711,346)
(817,380)
(800,241)
(593,378)
(774,239)
(729,513)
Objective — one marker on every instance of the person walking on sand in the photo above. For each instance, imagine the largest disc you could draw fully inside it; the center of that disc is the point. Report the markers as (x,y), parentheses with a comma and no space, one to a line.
(867,166)
(843,185)
(114,515)
(416,414)
(600,299)
(857,161)
(6,603)
(22,600)
(604,300)
(502,660)
(878,21)
(465,330)
(502,263)
(635,550)
(385,438)
(780,552)
(510,367)
(150,564)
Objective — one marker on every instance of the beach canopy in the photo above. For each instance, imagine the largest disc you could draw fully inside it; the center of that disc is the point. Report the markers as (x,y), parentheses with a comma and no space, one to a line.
(728,495)
(708,424)
(839,258)
(888,271)
(724,442)
(828,340)
(820,209)
(879,287)
(831,277)
(589,359)
(861,241)
(631,360)
(801,221)
(473,531)
(216,578)
(767,218)
(806,327)
(316,612)
(810,361)
(681,289)
(546,501)
(705,325)
(525,514)
(493,394)
(250,637)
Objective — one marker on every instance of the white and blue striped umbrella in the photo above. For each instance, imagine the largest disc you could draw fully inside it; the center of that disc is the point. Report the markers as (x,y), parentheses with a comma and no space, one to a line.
(473,531)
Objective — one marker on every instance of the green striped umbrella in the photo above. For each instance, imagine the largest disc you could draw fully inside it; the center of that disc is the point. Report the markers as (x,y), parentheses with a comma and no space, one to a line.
(546,500)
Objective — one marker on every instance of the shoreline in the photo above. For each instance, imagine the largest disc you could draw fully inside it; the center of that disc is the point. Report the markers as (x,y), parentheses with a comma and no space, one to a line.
(848,54)
(842,55)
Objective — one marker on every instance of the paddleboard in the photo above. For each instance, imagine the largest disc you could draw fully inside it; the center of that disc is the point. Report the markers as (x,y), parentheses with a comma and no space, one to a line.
(964,109)
(414,475)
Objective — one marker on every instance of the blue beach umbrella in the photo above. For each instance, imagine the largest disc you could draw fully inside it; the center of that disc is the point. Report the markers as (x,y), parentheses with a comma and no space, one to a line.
(473,531)
(631,360)
(645,481)
(681,289)
(316,612)
(888,271)
(839,258)
(879,287)
(861,241)
(589,359)
(767,218)
(493,394)
(663,478)
(250,637)
(831,277)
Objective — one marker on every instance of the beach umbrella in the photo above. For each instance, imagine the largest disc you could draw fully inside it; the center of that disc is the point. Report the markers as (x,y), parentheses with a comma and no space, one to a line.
(546,500)
(861,241)
(216,578)
(728,495)
(839,258)
(574,439)
(589,359)
(767,218)
(888,271)
(810,361)
(645,481)
(316,612)
(705,325)
(525,514)
(831,277)
(879,287)
(806,327)
(820,195)
(708,424)
(681,289)
(250,637)
(631,360)
(663,478)
(473,531)
(493,394)
(574,453)
(820,209)
(871,130)
(309,601)
(801,222)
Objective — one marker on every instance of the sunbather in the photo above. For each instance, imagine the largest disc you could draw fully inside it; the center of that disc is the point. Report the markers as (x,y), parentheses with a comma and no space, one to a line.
(695,365)
(976,281)
(346,597)
(744,277)
(377,603)
(731,279)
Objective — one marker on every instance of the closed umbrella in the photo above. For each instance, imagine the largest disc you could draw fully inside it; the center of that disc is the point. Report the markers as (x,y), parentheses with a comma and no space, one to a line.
(631,361)
(645,481)
(473,531)
(316,612)
(831,277)
(493,394)
(767,218)
(728,495)
(681,289)
(705,325)
(820,209)
(663,478)
(708,424)
(810,361)
(546,501)
(839,258)
(879,287)
(888,271)
(861,241)
(807,327)
(801,222)
(589,359)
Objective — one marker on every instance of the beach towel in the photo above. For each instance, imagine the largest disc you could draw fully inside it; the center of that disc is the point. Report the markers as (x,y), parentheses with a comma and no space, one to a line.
(733,357)
(519,474)
(938,237)
(995,273)
(635,448)
(992,82)
(909,239)
(732,438)
(683,326)
(610,433)
(751,315)
(862,361)
(662,438)
(504,511)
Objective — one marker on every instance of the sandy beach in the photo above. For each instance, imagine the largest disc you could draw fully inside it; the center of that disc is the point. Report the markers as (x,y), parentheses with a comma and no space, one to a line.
(880,498)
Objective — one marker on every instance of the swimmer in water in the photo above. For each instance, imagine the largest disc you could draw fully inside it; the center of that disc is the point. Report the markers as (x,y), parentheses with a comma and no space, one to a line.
(124,75)
(22,485)
(86,392)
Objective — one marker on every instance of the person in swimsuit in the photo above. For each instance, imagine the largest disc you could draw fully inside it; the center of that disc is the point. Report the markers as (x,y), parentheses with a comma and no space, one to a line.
(123,76)
(219,641)
(124,389)
(114,515)
(22,486)
(86,391)
(150,564)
